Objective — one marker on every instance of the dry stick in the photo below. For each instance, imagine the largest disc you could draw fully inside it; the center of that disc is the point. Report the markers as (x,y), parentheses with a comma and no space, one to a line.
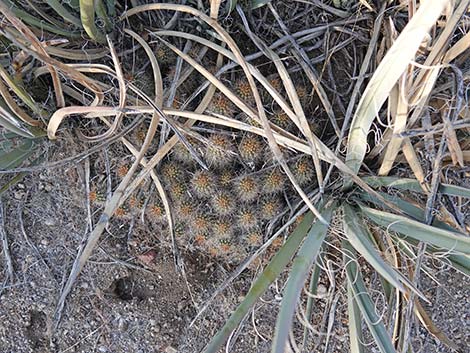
(6,248)
(28,240)
(433,129)
(304,61)
(293,97)
(113,203)
(357,87)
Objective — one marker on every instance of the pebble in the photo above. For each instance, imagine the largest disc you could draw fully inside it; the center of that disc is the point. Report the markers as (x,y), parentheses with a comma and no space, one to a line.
(321,290)
(50,222)
(122,324)
(18,195)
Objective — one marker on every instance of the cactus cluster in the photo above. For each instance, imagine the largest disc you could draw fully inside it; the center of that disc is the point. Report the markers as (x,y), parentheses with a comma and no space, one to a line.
(224,209)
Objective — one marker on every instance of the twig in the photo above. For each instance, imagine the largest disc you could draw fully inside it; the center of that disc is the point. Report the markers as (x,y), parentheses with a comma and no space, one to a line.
(6,248)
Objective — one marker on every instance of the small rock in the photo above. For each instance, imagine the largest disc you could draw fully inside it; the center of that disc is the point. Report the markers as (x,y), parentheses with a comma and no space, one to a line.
(18,195)
(170,349)
(50,222)
(122,325)
(148,257)
(321,290)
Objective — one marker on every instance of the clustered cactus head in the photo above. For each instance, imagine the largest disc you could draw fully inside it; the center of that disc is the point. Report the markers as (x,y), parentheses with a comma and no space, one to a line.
(220,104)
(247,188)
(201,223)
(96,197)
(122,170)
(181,153)
(303,170)
(223,228)
(270,207)
(164,55)
(248,219)
(281,119)
(274,181)
(223,203)
(171,172)
(186,208)
(135,203)
(226,177)
(243,90)
(302,93)
(251,149)
(220,151)
(253,238)
(122,212)
(156,212)
(203,183)
(178,190)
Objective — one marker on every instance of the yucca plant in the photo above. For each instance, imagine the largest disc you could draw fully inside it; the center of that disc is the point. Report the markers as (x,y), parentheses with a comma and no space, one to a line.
(358,213)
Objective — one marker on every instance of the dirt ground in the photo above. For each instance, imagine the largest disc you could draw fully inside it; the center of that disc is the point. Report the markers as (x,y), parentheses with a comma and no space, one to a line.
(126,302)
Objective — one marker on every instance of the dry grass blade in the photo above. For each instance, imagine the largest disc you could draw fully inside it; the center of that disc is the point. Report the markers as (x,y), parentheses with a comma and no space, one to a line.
(21,93)
(5,247)
(78,54)
(67,70)
(428,323)
(414,163)
(387,74)
(20,113)
(400,113)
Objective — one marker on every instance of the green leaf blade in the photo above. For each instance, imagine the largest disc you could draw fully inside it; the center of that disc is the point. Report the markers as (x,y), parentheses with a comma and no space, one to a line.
(362,298)
(261,284)
(441,238)
(302,264)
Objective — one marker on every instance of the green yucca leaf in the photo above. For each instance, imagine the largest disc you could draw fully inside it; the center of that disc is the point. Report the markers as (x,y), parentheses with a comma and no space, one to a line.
(459,262)
(414,185)
(355,329)
(101,12)
(312,289)
(270,273)
(39,23)
(364,301)
(429,234)
(300,268)
(64,13)
(17,156)
(87,15)
(9,121)
(408,208)
(358,237)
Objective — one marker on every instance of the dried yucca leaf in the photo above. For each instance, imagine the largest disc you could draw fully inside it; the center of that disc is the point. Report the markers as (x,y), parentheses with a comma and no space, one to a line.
(385,77)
